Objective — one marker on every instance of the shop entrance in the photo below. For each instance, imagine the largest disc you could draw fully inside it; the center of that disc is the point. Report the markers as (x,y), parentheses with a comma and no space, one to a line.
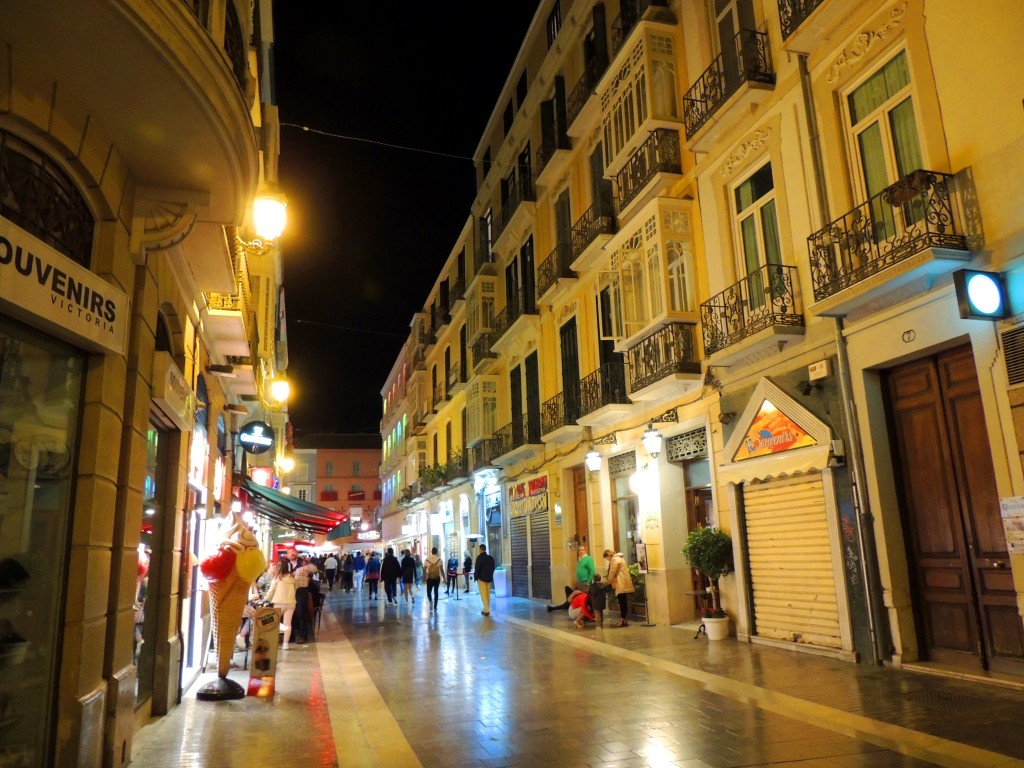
(964,601)
(699,506)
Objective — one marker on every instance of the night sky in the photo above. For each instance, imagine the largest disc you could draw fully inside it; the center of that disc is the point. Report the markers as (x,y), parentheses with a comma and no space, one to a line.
(370,226)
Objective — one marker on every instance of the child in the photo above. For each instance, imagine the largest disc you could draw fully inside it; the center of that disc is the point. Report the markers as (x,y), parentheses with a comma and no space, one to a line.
(597,595)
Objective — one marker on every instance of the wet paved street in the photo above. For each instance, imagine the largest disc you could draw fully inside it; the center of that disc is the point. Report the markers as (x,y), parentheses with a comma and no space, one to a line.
(399,685)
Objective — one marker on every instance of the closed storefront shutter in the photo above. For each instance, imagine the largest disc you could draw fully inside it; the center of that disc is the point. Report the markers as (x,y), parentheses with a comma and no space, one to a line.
(520,558)
(791,571)
(540,548)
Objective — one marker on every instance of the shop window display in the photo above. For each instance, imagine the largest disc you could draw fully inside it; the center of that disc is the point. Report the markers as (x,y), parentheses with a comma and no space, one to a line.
(40,401)
(145,622)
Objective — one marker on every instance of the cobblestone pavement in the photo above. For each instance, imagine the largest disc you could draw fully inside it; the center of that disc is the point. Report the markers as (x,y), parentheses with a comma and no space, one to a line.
(401,685)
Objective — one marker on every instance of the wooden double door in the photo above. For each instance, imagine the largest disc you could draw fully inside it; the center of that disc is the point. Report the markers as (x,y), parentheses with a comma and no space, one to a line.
(964,601)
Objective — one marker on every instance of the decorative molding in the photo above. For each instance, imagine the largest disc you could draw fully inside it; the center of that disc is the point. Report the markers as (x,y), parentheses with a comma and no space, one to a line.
(164,217)
(852,56)
(738,155)
(566,311)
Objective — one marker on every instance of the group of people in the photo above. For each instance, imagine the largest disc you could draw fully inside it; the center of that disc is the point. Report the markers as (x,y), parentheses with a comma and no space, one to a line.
(294,590)
(588,600)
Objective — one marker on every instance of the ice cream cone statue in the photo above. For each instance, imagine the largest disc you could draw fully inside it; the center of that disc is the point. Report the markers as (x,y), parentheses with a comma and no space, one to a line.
(230,569)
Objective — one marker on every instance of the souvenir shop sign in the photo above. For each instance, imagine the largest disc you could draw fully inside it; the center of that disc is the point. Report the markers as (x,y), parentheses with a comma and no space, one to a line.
(263,666)
(256,437)
(47,289)
(770,432)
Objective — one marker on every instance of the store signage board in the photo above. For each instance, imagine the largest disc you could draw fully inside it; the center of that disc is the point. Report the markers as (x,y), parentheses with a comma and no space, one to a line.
(263,665)
(770,432)
(368,536)
(172,393)
(256,437)
(48,290)
(1011,509)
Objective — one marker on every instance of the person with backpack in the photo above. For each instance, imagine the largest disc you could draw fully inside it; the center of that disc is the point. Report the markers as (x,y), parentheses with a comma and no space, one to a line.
(373,575)
(433,569)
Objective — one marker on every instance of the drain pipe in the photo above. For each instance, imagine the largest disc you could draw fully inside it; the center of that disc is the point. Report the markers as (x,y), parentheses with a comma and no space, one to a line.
(865,522)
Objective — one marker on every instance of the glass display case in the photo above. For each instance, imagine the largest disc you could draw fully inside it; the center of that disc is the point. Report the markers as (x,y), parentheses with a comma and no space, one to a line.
(40,402)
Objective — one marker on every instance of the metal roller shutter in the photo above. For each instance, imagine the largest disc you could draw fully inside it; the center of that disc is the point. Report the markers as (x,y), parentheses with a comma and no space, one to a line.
(520,558)
(791,571)
(540,549)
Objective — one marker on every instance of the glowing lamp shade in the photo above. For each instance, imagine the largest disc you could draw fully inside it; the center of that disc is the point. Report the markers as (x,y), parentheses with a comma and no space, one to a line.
(593,460)
(286,464)
(979,295)
(652,440)
(268,213)
(280,389)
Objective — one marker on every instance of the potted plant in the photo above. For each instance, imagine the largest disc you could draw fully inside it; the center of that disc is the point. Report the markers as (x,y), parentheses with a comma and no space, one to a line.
(709,550)
(639,596)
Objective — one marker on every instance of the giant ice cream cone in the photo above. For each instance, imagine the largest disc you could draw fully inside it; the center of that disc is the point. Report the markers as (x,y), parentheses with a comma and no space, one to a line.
(227,602)
(230,570)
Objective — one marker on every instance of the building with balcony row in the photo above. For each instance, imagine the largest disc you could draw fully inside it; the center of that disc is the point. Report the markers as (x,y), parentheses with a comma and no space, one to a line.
(140,325)
(741,225)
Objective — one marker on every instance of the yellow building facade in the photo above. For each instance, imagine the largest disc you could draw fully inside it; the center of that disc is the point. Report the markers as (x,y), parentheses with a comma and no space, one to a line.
(742,227)
(133,139)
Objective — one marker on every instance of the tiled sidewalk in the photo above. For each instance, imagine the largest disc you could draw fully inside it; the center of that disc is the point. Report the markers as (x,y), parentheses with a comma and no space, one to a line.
(398,685)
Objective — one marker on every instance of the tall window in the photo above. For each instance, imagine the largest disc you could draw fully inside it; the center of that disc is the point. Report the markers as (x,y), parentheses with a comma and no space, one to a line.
(757,229)
(554,23)
(884,136)
(357,468)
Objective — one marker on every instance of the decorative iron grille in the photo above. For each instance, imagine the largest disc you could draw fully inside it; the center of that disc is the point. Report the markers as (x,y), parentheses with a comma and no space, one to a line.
(585,87)
(920,211)
(793,13)
(457,293)
(588,227)
(481,454)
(767,297)
(622,463)
(629,16)
(555,266)
(40,198)
(482,347)
(669,350)
(689,445)
(517,306)
(520,192)
(234,46)
(559,411)
(549,145)
(751,61)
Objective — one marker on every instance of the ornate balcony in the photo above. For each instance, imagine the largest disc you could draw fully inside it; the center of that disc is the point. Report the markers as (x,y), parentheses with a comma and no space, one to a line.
(657,156)
(517,441)
(516,213)
(753,318)
(581,94)
(441,395)
(603,399)
(665,364)
(456,293)
(808,24)
(482,453)
(419,357)
(457,378)
(558,417)
(552,155)
(457,468)
(589,234)
(555,272)
(629,16)
(518,306)
(483,357)
(728,90)
(912,230)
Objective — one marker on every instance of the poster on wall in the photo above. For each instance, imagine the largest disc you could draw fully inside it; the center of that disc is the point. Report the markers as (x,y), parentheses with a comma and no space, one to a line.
(772,431)
(1011,509)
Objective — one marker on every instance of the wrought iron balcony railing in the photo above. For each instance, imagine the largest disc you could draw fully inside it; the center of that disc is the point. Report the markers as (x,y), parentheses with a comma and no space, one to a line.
(517,306)
(765,298)
(562,410)
(456,293)
(235,46)
(591,224)
(419,357)
(658,154)
(585,87)
(751,61)
(482,347)
(457,375)
(605,386)
(516,434)
(630,14)
(520,192)
(481,454)
(457,466)
(556,265)
(920,211)
(669,350)
(548,147)
(440,393)
(792,14)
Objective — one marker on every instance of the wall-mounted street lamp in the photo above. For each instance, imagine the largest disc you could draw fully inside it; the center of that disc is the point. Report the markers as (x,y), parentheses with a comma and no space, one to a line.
(652,440)
(268,220)
(286,464)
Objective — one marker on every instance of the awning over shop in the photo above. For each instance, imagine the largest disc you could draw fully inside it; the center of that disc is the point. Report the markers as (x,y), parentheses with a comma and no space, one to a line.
(290,511)
(340,531)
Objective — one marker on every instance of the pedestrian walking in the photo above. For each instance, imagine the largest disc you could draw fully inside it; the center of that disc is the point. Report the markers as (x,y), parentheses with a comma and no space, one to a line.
(408,576)
(281,595)
(346,572)
(419,568)
(330,570)
(467,567)
(390,571)
(619,580)
(358,571)
(433,570)
(483,573)
(452,583)
(373,575)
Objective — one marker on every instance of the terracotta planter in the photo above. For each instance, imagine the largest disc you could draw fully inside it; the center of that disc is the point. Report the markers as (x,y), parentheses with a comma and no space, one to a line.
(717,629)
